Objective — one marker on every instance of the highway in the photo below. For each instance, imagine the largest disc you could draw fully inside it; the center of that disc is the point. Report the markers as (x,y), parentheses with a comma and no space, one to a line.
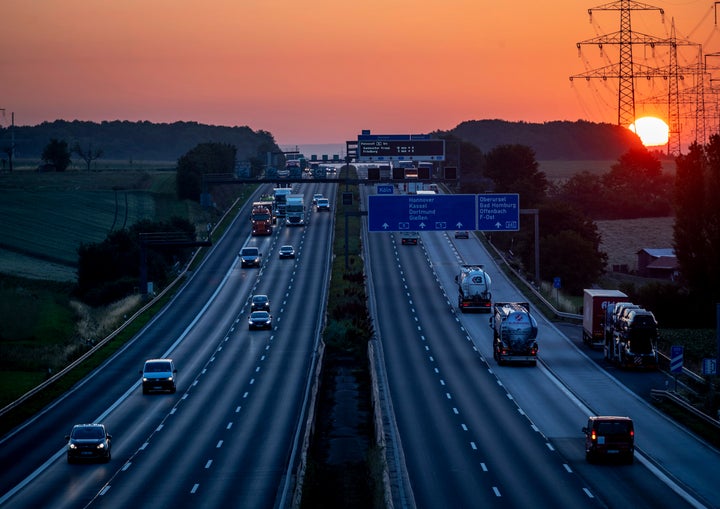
(470,433)
(233,429)
(460,430)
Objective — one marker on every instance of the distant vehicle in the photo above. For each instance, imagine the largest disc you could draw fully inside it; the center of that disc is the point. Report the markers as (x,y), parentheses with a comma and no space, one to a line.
(280,194)
(286,252)
(315,198)
(89,442)
(250,257)
(323,204)
(260,303)
(409,238)
(261,218)
(260,320)
(159,375)
(295,210)
(609,436)
(462,234)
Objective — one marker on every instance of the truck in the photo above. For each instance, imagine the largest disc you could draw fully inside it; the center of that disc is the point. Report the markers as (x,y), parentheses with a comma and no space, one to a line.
(514,333)
(598,305)
(295,210)
(281,194)
(473,288)
(261,218)
(634,339)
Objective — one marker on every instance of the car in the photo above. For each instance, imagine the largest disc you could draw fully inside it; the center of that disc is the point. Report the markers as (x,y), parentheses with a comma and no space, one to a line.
(462,234)
(322,204)
(250,257)
(286,252)
(409,238)
(316,197)
(259,303)
(610,436)
(159,375)
(260,320)
(89,442)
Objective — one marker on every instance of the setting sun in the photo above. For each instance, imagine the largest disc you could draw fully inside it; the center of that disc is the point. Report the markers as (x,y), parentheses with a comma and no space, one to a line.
(653,131)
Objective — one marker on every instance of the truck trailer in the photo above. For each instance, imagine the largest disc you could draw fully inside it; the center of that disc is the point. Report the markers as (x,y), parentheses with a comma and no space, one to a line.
(633,343)
(597,314)
(473,288)
(514,333)
(281,194)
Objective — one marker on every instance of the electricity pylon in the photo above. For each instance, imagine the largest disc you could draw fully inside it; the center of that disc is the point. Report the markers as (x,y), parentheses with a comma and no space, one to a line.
(625,71)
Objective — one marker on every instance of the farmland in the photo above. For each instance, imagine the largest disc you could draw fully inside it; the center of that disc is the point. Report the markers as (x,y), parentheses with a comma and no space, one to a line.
(46,216)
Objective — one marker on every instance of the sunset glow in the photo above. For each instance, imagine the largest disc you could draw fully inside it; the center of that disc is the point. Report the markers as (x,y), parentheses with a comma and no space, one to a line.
(317,71)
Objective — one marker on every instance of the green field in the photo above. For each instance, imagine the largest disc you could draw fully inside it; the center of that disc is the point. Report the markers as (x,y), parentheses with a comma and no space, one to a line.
(46,216)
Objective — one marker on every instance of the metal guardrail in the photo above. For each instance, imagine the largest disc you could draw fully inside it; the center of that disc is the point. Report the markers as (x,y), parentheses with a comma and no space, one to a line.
(662,394)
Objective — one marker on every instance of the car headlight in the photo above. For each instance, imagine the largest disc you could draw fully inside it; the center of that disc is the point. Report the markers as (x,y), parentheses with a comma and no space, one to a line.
(101,446)
(72,446)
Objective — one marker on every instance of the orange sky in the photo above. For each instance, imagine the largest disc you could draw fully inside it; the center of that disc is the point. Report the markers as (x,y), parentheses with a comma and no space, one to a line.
(320,71)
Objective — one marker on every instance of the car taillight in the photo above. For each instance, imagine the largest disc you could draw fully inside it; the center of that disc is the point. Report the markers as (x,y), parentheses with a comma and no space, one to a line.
(593,435)
(632,433)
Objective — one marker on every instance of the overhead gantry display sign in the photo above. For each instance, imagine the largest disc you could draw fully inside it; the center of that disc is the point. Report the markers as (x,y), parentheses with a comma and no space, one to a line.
(442,212)
(399,147)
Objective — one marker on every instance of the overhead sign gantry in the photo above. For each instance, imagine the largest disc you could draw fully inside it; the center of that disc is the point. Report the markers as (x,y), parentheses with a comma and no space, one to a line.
(399,147)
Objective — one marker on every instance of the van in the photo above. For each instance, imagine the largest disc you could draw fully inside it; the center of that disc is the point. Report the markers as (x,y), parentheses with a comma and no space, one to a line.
(159,375)
(250,257)
(609,436)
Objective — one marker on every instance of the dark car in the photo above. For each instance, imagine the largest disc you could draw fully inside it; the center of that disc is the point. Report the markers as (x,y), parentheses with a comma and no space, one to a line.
(462,234)
(286,252)
(609,436)
(409,238)
(88,442)
(159,375)
(250,257)
(260,320)
(260,303)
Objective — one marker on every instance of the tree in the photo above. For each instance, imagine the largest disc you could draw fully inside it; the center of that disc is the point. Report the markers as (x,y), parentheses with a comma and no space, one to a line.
(205,158)
(569,247)
(513,169)
(88,156)
(696,233)
(636,187)
(585,191)
(56,154)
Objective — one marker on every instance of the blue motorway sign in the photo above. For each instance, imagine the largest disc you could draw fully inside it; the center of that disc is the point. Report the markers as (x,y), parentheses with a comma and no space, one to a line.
(484,212)
(498,212)
(421,212)
(385,189)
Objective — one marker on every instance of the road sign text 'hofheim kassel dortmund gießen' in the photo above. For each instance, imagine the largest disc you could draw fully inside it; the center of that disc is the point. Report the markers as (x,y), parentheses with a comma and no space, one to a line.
(486,212)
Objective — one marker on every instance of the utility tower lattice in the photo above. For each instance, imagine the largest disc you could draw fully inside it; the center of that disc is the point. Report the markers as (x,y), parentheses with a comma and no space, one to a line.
(625,71)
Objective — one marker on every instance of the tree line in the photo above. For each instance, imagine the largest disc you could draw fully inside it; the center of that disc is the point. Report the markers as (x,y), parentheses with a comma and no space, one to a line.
(129,141)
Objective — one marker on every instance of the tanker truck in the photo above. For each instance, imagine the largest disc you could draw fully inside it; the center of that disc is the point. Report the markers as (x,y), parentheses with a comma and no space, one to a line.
(473,288)
(514,333)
